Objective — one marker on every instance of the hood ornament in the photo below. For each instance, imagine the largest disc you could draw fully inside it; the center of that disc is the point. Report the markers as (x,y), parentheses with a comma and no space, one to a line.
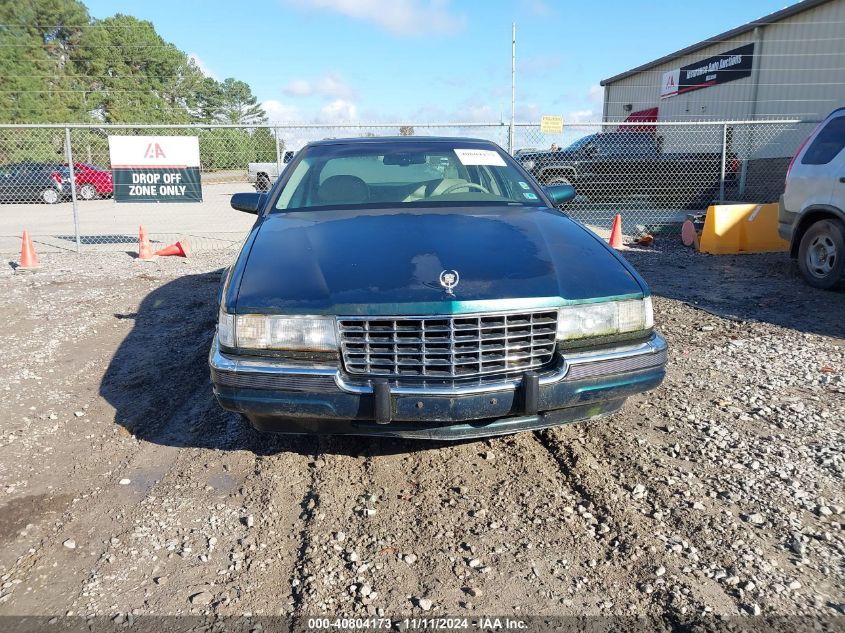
(449,279)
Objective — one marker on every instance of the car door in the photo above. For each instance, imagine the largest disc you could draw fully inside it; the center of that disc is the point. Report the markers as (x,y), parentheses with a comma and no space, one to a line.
(814,177)
(26,181)
(833,172)
(620,164)
(34,179)
(21,182)
(7,173)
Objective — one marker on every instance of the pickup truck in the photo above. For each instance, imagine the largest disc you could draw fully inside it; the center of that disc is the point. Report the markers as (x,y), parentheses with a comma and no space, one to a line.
(608,166)
(263,175)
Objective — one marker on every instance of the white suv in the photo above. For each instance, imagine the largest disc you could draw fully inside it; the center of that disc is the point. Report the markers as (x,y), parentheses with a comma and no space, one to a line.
(812,208)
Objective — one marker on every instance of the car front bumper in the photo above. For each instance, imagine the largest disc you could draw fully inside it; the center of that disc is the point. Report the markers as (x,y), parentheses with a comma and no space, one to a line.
(786,221)
(281,397)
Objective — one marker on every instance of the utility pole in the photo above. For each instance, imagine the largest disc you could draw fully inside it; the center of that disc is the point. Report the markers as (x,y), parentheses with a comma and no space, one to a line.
(513,88)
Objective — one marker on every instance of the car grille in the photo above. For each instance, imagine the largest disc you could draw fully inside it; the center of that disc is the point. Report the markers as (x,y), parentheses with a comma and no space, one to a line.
(460,346)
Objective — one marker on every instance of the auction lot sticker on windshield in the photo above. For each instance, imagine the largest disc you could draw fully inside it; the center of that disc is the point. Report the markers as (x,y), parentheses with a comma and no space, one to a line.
(155,168)
(479,157)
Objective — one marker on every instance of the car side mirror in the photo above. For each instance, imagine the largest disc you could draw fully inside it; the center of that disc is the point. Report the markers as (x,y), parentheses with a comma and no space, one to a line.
(247,202)
(560,194)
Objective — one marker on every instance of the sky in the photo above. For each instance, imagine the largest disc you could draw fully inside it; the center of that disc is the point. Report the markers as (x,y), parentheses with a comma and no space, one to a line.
(430,60)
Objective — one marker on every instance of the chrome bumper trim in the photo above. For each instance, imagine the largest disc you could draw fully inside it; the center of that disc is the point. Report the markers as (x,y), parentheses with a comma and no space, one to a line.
(578,364)
(459,390)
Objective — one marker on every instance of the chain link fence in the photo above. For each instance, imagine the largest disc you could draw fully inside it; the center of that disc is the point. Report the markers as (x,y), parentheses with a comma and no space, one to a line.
(656,174)
(56,181)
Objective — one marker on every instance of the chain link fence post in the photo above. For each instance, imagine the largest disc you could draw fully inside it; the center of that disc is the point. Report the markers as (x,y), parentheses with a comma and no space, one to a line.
(510,138)
(278,151)
(724,157)
(72,170)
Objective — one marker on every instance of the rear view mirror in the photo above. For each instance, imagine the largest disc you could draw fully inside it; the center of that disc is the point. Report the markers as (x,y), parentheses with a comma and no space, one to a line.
(403,159)
(560,194)
(247,202)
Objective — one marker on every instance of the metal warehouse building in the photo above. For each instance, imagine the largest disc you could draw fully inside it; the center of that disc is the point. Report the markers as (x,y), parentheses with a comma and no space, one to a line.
(790,64)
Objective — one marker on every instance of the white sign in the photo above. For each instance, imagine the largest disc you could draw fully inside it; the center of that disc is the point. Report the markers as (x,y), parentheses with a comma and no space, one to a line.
(669,87)
(176,152)
(156,168)
(480,157)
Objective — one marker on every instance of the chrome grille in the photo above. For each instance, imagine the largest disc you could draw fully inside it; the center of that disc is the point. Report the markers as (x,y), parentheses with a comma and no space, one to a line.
(455,346)
(284,381)
(616,365)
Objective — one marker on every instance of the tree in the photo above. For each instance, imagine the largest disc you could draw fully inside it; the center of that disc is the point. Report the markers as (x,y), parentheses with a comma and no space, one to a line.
(208,101)
(264,145)
(37,41)
(57,65)
(406,130)
(132,75)
(238,104)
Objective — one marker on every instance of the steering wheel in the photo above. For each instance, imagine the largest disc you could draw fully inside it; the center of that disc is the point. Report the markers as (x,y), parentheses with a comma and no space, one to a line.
(463,185)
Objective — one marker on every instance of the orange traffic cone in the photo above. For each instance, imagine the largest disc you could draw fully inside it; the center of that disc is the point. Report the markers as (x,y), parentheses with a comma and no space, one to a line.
(616,232)
(182,249)
(145,249)
(29,260)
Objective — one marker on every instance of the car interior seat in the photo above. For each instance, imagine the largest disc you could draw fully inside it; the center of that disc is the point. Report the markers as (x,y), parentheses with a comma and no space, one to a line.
(343,190)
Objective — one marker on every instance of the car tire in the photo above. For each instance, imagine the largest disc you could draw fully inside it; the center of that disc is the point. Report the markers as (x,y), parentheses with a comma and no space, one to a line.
(262,182)
(50,196)
(821,254)
(87,192)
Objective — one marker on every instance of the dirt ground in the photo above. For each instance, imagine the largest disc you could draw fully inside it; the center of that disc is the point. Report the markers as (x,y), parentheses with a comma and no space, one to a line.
(125,489)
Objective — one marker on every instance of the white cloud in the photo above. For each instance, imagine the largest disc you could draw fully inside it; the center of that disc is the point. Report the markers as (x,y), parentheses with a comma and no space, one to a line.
(339,110)
(291,117)
(278,112)
(528,112)
(402,17)
(331,86)
(596,95)
(201,65)
(581,116)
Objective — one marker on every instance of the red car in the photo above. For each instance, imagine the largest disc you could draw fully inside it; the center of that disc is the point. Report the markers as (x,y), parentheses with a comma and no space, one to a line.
(92,181)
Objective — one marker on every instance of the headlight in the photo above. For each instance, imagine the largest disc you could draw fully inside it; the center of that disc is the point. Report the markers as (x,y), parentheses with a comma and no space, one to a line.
(226,329)
(604,319)
(528,164)
(267,331)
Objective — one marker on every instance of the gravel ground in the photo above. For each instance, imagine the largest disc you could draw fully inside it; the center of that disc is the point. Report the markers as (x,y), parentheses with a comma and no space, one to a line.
(125,489)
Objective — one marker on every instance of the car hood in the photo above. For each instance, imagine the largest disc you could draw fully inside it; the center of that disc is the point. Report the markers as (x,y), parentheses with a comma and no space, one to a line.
(389,262)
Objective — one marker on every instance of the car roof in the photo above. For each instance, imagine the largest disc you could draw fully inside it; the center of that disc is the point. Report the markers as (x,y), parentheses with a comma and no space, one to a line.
(401,140)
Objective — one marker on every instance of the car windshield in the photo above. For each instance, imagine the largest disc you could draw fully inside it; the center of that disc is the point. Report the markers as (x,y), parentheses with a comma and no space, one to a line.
(405,174)
(581,142)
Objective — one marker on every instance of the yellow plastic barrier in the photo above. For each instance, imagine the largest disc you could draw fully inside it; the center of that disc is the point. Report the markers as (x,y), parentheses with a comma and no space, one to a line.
(741,228)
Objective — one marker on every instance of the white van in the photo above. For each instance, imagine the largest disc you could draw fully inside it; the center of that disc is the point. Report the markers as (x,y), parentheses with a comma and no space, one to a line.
(812,208)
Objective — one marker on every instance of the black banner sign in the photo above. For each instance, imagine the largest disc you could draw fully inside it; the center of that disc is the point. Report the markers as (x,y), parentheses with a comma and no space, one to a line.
(150,184)
(719,69)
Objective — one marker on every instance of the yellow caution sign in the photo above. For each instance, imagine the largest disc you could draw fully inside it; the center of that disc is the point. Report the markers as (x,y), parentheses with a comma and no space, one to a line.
(551,124)
(741,228)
